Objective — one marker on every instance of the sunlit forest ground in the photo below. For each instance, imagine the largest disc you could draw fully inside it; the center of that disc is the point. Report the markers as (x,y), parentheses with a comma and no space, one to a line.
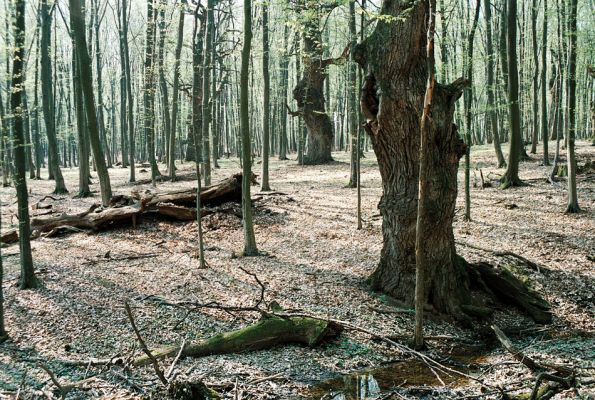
(314,260)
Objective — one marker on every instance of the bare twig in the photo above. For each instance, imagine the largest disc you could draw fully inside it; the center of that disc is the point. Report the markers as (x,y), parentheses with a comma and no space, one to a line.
(144,347)
(173,364)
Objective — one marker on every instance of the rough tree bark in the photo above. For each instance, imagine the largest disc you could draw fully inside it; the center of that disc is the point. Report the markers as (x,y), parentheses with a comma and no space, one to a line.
(394,57)
(309,91)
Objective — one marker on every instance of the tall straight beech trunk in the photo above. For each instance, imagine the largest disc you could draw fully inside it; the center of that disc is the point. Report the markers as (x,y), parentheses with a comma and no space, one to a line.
(206,90)
(77,23)
(27,279)
(174,108)
(266,100)
(535,99)
(511,176)
(161,70)
(194,152)
(284,71)
(123,94)
(99,87)
(47,98)
(149,89)
(491,90)
(81,122)
(250,248)
(573,206)
(394,57)
(544,121)
(130,102)
(352,94)
(467,99)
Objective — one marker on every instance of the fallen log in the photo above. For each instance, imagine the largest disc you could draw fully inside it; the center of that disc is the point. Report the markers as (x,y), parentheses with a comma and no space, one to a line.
(508,288)
(228,190)
(178,204)
(265,334)
(87,220)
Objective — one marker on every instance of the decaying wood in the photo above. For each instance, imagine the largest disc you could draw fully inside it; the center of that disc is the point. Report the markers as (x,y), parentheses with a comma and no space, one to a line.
(267,333)
(180,205)
(511,290)
(516,353)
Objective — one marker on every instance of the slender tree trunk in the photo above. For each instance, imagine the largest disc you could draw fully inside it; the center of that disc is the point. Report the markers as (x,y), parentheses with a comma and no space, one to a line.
(266,102)
(284,67)
(37,128)
(491,90)
(77,22)
(424,182)
(250,248)
(99,67)
(352,93)
(467,103)
(27,279)
(511,176)
(47,97)
(123,89)
(161,69)
(206,91)
(535,100)
(3,332)
(81,122)
(149,90)
(543,77)
(176,85)
(573,206)
(130,102)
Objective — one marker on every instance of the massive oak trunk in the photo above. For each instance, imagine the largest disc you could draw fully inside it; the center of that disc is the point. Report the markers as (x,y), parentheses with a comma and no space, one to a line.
(394,58)
(309,91)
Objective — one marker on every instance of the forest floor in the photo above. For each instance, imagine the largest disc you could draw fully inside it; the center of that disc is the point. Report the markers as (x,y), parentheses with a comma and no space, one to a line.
(317,261)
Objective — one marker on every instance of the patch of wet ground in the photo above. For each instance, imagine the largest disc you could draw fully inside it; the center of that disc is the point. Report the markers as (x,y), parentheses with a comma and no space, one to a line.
(412,373)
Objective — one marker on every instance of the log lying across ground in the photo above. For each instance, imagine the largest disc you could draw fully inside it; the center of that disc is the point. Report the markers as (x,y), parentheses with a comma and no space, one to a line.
(265,334)
(180,205)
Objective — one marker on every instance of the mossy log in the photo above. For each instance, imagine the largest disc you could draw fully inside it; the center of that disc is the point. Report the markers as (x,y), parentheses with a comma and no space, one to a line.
(510,289)
(265,334)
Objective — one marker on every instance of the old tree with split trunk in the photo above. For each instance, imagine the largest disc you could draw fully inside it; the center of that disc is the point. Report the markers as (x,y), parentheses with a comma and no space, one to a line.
(394,59)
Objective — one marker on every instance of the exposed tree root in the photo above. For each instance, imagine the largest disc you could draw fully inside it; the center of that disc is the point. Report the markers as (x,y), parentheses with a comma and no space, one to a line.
(506,287)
